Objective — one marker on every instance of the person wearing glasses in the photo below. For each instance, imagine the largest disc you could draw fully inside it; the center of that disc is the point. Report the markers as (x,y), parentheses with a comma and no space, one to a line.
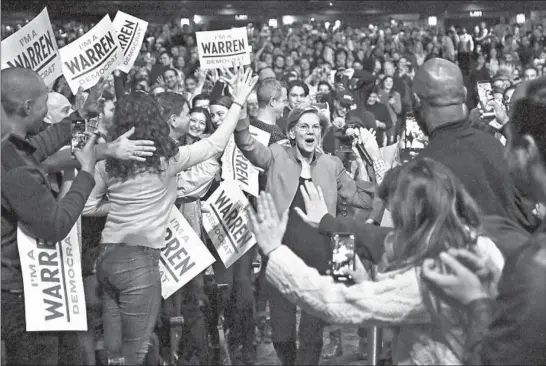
(287,168)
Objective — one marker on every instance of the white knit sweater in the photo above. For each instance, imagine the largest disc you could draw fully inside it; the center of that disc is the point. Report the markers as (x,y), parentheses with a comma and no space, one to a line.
(395,300)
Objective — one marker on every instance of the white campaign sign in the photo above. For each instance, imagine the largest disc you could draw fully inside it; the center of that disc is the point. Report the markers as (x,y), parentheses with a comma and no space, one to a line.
(97,53)
(34,47)
(223,48)
(236,167)
(183,257)
(130,32)
(226,222)
(52,279)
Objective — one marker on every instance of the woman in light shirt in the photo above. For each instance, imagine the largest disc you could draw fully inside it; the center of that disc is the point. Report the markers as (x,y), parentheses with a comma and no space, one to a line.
(431,213)
(140,199)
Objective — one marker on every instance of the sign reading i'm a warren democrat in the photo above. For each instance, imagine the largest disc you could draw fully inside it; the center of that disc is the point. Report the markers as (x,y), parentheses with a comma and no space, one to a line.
(236,167)
(183,257)
(226,222)
(130,32)
(97,53)
(34,47)
(223,48)
(52,280)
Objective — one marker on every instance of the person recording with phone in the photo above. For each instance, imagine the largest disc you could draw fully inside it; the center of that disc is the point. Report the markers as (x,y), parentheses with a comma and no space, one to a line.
(422,195)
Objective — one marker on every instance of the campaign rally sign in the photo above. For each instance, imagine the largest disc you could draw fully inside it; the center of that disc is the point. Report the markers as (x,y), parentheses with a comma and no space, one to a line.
(226,222)
(223,48)
(52,279)
(236,167)
(97,53)
(130,32)
(34,47)
(183,257)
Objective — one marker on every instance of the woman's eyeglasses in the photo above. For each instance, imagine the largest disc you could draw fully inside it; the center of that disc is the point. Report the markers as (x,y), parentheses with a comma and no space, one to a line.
(307,128)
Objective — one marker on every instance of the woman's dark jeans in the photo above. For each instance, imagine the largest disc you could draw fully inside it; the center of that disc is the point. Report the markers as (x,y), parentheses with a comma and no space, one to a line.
(131,298)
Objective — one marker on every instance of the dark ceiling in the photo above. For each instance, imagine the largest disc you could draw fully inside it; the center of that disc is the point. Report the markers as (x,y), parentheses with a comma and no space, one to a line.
(152,10)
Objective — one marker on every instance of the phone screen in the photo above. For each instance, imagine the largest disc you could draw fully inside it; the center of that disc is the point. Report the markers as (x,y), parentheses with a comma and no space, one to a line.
(414,137)
(485,93)
(343,256)
(79,138)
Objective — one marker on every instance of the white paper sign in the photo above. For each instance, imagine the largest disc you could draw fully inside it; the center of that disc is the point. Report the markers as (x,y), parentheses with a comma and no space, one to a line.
(130,32)
(97,53)
(226,222)
(52,279)
(34,47)
(222,48)
(236,167)
(183,257)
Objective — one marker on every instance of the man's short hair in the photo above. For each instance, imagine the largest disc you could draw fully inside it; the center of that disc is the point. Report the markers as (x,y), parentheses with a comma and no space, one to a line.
(170,69)
(169,54)
(170,103)
(299,83)
(198,97)
(267,89)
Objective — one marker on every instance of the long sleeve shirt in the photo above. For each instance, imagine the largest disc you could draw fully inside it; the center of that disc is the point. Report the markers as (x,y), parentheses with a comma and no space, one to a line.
(27,198)
(139,207)
(399,298)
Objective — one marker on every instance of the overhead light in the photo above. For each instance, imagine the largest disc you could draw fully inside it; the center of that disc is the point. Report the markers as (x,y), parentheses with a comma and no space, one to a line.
(432,21)
(476,14)
(184,21)
(331,4)
(520,18)
(273,23)
(312,19)
(197,19)
(288,19)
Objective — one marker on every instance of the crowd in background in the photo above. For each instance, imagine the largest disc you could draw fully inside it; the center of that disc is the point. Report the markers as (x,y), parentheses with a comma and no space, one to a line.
(315,80)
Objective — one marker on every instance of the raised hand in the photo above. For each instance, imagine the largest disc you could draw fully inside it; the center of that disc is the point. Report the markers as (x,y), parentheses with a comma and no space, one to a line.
(266,225)
(244,85)
(93,105)
(315,205)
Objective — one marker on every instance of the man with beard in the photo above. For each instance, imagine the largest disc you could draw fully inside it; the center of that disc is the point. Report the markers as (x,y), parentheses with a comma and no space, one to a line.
(287,168)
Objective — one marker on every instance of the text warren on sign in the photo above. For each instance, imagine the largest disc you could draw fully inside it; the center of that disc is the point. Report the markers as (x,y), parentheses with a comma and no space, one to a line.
(38,51)
(98,50)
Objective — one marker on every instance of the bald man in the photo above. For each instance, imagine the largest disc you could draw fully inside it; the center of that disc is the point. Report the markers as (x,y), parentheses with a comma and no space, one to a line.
(27,198)
(475,157)
(58,106)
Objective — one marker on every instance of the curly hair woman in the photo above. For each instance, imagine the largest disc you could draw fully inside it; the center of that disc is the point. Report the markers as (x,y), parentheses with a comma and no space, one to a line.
(432,213)
(140,198)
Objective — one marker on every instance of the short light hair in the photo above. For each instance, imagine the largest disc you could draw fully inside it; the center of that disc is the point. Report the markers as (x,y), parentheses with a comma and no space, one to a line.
(267,89)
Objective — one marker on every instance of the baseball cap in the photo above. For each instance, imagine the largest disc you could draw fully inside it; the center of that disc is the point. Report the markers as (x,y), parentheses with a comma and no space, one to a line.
(345,98)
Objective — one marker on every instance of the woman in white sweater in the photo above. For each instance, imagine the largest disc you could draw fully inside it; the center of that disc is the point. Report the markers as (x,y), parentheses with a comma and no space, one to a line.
(431,213)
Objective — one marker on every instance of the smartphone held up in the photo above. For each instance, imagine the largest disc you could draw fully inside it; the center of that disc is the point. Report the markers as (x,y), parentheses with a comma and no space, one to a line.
(343,257)
(79,137)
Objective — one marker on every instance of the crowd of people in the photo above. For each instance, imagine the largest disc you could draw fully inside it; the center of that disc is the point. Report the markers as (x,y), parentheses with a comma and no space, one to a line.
(452,235)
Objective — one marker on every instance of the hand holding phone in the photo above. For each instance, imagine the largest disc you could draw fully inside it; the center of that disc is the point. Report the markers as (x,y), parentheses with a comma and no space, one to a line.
(79,137)
(343,257)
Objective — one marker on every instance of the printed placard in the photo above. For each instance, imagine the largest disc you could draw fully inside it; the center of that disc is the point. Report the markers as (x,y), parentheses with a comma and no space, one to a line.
(183,257)
(34,47)
(226,222)
(222,48)
(97,53)
(235,166)
(130,32)
(52,279)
